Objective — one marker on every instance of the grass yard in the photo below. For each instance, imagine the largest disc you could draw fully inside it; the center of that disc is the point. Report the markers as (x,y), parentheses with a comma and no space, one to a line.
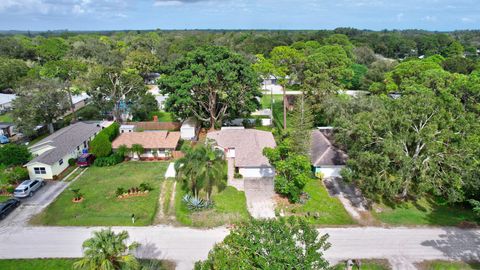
(367,265)
(67,264)
(7,117)
(163,116)
(329,210)
(266,100)
(444,265)
(230,207)
(101,207)
(424,212)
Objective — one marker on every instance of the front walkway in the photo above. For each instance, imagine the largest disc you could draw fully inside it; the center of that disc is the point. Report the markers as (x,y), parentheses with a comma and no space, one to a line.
(260,193)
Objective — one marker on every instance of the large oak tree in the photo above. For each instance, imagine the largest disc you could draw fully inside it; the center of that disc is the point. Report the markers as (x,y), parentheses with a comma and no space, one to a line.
(212,84)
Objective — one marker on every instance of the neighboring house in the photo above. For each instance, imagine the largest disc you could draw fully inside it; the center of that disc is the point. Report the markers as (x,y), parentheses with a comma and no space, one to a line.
(6,102)
(270,80)
(151,78)
(189,129)
(79,101)
(161,99)
(127,128)
(325,157)
(245,148)
(51,154)
(159,144)
(354,93)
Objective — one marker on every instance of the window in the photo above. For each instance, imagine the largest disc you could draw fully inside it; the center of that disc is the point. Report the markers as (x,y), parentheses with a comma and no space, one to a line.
(40,170)
(78,148)
(60,162)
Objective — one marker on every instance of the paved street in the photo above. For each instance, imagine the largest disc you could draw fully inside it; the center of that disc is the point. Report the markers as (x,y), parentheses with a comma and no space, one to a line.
(402,246)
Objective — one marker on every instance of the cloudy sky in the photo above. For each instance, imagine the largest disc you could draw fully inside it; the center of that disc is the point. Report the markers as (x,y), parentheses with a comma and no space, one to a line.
(238,14)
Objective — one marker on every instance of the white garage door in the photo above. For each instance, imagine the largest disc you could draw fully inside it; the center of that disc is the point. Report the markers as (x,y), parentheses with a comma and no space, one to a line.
(257,172)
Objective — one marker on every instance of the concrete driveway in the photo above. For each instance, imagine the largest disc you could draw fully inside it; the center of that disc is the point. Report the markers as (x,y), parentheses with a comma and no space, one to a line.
(33,205)
(259,193)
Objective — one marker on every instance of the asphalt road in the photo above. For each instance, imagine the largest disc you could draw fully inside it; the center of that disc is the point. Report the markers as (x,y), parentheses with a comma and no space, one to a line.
(401,246)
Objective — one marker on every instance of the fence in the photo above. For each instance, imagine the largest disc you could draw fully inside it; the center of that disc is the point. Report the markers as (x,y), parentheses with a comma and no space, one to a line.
(172,126)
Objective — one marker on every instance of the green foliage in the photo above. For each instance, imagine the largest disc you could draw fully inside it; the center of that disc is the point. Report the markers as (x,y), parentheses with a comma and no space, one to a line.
(89,112)
(122,150)
(202,168)
(14,154)
(12,175)
(292,170)
(196,204)
(143,107)
(302,124)
(111,160)
(210,83)
(53,48)
(284,243)
(77,195)
(108,250)
(72,162)
(11,70)
(137,149)
(101,146)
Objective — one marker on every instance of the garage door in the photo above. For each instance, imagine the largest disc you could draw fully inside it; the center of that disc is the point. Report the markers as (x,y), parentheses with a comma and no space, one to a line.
(257,172)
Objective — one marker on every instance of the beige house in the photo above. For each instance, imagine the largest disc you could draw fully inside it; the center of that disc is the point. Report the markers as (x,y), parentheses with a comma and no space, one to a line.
(245,147)
(157,144)
(51,154)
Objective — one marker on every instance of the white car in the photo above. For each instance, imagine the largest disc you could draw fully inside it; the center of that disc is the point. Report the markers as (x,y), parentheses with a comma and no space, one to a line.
(28,187)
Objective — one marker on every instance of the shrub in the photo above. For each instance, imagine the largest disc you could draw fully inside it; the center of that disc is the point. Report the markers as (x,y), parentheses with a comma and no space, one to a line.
(196,204)
(89,112)
(72,162)
(10,189)
(14,154)
(237,175)
(120,191)
(122,150)
(101,146)
(111,131)
(111,160)
(145,187)
(17,174)
(76,194)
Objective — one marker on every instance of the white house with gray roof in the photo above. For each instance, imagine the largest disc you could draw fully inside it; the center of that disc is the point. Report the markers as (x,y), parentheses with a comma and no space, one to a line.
(51,154)
(6,102)
(245,147)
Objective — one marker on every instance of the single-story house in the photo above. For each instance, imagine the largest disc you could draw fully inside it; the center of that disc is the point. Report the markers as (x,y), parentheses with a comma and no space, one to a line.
(189,129)
(325,157)
(158,144)
(245,147)
(127,128)
(51,154)
(6,102)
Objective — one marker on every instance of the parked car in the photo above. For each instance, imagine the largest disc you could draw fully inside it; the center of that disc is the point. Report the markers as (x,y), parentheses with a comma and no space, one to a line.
(7,206)
(85,160)
(28,188)
(4,139)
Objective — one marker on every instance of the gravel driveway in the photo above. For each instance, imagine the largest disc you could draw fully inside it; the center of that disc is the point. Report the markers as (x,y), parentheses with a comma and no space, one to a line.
(259,193)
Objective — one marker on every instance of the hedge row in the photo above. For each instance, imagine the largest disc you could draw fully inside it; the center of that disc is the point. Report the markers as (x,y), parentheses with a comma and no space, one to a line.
(101,145)
(111,160)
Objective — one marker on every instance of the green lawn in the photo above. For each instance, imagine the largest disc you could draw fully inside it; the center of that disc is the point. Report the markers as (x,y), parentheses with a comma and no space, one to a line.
(163,116)
(67,264)
(101,207)
(424,212)
(443,265)
(7,117)
(266,100)
(367,265)
(230,207)
(323,209)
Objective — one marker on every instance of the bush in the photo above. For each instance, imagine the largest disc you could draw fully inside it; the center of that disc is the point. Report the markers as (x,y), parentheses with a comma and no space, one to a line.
(196,204)
(89,112)
(10,189)
(237,175)
(112,131)
(17,174)
(145,187)
(120,191)
(14,154)
(111,160)
(72,162)
(101,146)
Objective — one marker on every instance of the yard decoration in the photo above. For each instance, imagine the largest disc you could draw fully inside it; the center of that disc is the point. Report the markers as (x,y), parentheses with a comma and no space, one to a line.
(77,196)
(142,190)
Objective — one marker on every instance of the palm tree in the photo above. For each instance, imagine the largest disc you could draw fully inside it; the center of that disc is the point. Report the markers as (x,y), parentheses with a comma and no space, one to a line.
(107,250)
(202,168)
(137,149)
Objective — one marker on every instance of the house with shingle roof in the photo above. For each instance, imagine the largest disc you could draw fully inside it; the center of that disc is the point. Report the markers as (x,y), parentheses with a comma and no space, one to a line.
(245,147)
(51,154)
(159,144)
(325,157)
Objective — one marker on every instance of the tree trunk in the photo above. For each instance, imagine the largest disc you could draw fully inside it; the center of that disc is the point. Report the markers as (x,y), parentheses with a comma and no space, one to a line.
(50,128)
(72,106)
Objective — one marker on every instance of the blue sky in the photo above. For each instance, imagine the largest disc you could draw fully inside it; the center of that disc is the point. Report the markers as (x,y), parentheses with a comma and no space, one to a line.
(239,14)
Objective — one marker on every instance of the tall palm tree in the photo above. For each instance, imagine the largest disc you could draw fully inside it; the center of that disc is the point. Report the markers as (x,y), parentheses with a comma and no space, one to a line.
(202,168)
(107,250)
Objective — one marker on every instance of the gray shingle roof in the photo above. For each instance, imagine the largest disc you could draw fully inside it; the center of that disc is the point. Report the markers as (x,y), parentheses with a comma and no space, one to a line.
(64,141)
(248,144)
(323,153)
